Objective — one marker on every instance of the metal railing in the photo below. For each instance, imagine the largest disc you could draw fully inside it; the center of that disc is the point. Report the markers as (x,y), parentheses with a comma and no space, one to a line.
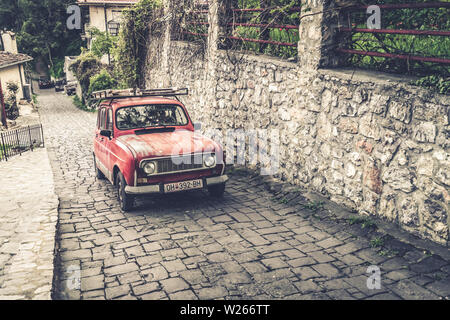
(397,55)
(197,25)
(251,25)
(15,142)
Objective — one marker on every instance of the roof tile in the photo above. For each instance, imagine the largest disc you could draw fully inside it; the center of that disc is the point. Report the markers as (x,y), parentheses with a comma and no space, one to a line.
(8,58)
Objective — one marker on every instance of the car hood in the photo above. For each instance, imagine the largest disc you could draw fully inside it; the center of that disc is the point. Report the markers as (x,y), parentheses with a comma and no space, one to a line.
(159,144)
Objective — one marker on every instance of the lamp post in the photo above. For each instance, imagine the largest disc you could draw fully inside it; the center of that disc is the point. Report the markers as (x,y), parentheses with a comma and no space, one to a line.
(113,27)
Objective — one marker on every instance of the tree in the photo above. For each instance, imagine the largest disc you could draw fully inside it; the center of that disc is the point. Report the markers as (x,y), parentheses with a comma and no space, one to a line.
(11,15)
(41,28)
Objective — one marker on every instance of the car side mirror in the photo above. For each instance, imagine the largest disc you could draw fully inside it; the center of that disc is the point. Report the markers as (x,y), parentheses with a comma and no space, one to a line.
(106,133)
(197,126)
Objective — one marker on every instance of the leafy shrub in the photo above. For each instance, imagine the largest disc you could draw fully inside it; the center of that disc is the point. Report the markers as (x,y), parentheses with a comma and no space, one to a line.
(86,66)
(11,108)
(440,84)
(12,88)
(80,105)
(101,81)
(57,70)
(102,42)
(92,75)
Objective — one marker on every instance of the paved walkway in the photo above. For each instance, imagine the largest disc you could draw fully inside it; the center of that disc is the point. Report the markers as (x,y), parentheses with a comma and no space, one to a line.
(248,245)
(28,215)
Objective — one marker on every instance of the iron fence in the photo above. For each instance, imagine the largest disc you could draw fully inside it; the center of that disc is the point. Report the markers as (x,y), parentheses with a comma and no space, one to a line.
(269,29)
(14,142)
(383,52)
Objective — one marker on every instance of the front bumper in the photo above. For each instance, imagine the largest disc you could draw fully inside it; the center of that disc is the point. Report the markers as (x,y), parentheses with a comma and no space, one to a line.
(159,188)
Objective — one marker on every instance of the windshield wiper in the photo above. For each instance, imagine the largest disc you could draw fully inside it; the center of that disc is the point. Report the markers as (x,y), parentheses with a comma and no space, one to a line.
(155,130)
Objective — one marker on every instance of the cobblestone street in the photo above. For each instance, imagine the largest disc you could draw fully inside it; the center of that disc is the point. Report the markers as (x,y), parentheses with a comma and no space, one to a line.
(191,246)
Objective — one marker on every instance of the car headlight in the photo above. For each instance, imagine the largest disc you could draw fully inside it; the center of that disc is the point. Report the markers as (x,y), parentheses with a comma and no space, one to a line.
(149,167)
(209,161)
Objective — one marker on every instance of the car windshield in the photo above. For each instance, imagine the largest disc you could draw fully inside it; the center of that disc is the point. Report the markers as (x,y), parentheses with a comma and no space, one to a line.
(153,115)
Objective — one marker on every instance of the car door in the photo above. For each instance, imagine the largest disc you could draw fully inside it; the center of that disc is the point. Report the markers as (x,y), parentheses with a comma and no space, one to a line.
(109,155)
(99,141)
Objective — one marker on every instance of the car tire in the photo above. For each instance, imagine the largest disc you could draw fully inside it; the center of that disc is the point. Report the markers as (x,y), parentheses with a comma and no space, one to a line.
(98,173)
(217,190)
(126,201)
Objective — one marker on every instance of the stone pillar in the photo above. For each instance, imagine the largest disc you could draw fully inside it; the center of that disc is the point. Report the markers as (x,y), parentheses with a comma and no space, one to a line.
(213,30)
(217,24)
(167,14)
(8,39)
(318,33)
(218,17)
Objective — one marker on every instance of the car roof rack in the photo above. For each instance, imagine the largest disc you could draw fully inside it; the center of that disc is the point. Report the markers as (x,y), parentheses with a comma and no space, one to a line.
(136,93)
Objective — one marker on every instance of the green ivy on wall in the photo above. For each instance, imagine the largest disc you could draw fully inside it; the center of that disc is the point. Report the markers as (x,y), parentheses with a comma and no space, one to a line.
(129,54)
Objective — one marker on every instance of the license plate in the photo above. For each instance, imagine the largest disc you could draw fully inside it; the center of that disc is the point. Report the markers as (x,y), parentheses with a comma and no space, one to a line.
(183,185)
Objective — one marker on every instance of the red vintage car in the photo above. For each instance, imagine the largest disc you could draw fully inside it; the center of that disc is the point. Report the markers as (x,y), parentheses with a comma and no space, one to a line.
(146,144)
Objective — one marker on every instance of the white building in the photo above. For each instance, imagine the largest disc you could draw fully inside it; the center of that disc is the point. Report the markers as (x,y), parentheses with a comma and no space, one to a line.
(12,63)
(105,16)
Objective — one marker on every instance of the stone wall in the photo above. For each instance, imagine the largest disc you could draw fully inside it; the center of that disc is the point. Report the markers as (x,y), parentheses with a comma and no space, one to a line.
(365,140)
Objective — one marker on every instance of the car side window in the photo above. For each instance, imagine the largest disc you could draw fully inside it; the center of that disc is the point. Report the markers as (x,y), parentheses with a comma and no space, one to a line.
(179,116)
(98,118)
(109,120)
(102,118)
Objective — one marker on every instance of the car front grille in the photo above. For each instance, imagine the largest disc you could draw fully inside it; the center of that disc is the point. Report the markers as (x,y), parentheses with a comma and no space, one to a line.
(182,163)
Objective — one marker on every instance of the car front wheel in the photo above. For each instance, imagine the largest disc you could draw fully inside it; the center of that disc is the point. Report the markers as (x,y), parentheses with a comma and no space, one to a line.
(125,200)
